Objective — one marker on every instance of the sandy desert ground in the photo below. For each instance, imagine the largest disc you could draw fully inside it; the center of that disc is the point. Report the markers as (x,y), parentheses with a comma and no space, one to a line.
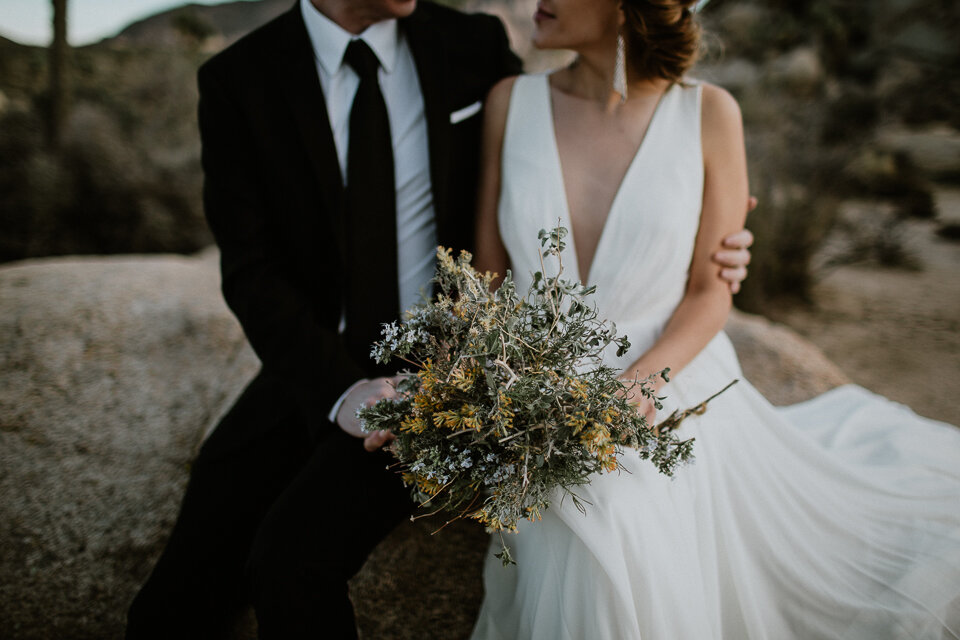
(896,331)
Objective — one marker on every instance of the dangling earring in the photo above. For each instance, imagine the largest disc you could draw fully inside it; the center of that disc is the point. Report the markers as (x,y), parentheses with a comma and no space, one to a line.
(620,69)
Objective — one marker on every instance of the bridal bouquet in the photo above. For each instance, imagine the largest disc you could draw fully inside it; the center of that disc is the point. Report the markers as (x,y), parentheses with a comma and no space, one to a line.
(509,399)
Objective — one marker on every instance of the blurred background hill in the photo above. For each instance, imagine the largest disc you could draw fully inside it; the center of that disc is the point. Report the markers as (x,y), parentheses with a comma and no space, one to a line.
(212,25)
(850,108)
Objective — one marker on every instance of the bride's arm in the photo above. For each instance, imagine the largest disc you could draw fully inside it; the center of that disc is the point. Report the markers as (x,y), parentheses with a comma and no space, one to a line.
(704,308)
(490,254)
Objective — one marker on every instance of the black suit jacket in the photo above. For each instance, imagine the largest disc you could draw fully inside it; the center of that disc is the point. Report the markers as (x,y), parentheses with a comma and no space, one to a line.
(273,192)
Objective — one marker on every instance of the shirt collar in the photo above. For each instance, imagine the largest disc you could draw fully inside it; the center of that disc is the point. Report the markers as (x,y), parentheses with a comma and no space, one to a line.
(330,40)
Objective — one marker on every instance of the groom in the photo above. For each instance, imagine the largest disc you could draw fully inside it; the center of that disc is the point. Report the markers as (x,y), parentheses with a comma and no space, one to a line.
(333,167)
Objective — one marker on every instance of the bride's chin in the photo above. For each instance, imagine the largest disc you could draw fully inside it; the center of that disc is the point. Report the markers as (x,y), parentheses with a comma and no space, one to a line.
(543,44)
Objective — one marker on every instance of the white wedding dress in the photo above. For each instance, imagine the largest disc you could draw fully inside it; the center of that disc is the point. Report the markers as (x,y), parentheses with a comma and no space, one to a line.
(834,518)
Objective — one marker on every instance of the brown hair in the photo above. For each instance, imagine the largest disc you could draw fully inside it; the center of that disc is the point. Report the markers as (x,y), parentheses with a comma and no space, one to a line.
(662,37)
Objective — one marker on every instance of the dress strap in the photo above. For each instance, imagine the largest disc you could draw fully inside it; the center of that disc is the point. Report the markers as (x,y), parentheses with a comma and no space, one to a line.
(526,115)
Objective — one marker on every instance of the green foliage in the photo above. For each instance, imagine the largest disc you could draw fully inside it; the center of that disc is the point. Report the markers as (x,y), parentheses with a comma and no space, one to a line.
(510,405)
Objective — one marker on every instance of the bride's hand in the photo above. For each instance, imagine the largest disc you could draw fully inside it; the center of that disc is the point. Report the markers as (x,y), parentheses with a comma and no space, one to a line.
(646,408)
(644,405)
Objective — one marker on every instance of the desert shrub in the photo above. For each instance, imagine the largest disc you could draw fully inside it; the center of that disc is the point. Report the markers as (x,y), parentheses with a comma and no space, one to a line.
(98,194)
(811,147)
(790,225)
(891,175)
(870,231)
(33,187)
(850,116)
(949,231)
(795,178)
(127,178)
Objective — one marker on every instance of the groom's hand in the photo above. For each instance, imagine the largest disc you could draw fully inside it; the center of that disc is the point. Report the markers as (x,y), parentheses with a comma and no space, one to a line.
(366,394)
(734,256)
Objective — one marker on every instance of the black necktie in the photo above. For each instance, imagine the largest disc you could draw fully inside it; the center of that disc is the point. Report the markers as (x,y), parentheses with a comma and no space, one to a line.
(372,289)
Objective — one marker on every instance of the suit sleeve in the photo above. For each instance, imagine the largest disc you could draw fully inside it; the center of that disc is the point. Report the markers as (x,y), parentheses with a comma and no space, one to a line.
(507,62)
(276,315)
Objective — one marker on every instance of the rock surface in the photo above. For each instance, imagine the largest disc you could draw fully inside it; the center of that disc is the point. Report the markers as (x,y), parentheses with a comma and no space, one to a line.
(111,368)
(111,371)
(785,367)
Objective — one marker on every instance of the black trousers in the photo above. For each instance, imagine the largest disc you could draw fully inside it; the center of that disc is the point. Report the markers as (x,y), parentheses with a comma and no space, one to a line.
(273,516)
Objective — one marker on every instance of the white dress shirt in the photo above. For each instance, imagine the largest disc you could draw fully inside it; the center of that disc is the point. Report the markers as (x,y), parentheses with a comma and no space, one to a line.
(400,86)
(416,227)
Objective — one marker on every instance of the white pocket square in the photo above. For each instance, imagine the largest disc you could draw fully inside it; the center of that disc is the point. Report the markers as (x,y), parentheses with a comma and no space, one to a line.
(462,114)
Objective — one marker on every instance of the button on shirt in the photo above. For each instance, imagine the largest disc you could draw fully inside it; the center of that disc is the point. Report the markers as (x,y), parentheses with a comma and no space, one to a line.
(416,227)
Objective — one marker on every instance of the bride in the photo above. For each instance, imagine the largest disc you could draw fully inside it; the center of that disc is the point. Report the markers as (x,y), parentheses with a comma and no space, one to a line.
(835,518)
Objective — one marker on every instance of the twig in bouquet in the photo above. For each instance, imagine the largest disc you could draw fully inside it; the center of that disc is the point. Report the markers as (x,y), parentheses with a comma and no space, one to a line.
(554,286)
(430,499)
(523,433)
(674,419)
(700,408)
(508,438)
(543,270)
(578,502)
(427,515)
(477,285)
(521,341)
(504,555)
(453,367)
(459,516)
(549,290)
(526,459)
(556,320)
(557,249)
(513,375)
(416,363)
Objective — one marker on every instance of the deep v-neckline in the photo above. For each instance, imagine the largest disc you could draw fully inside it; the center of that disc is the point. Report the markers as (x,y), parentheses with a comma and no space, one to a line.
(566,218)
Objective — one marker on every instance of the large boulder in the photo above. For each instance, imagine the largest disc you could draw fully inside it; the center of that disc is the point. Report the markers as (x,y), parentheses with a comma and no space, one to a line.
(111,372)
(785,367)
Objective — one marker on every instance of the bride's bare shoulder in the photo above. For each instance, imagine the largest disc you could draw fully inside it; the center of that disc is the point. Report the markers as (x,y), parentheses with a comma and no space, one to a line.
(498,98)
(495,108)
(720,120)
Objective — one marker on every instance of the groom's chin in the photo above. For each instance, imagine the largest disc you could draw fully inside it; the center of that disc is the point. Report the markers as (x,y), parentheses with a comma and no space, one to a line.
(402,8)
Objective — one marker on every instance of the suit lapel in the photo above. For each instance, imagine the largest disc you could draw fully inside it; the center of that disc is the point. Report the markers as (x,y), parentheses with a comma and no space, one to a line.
(428,48)
(297,75)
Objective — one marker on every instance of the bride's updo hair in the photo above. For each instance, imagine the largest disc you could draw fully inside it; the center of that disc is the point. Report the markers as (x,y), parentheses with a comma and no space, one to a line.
(662,37)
